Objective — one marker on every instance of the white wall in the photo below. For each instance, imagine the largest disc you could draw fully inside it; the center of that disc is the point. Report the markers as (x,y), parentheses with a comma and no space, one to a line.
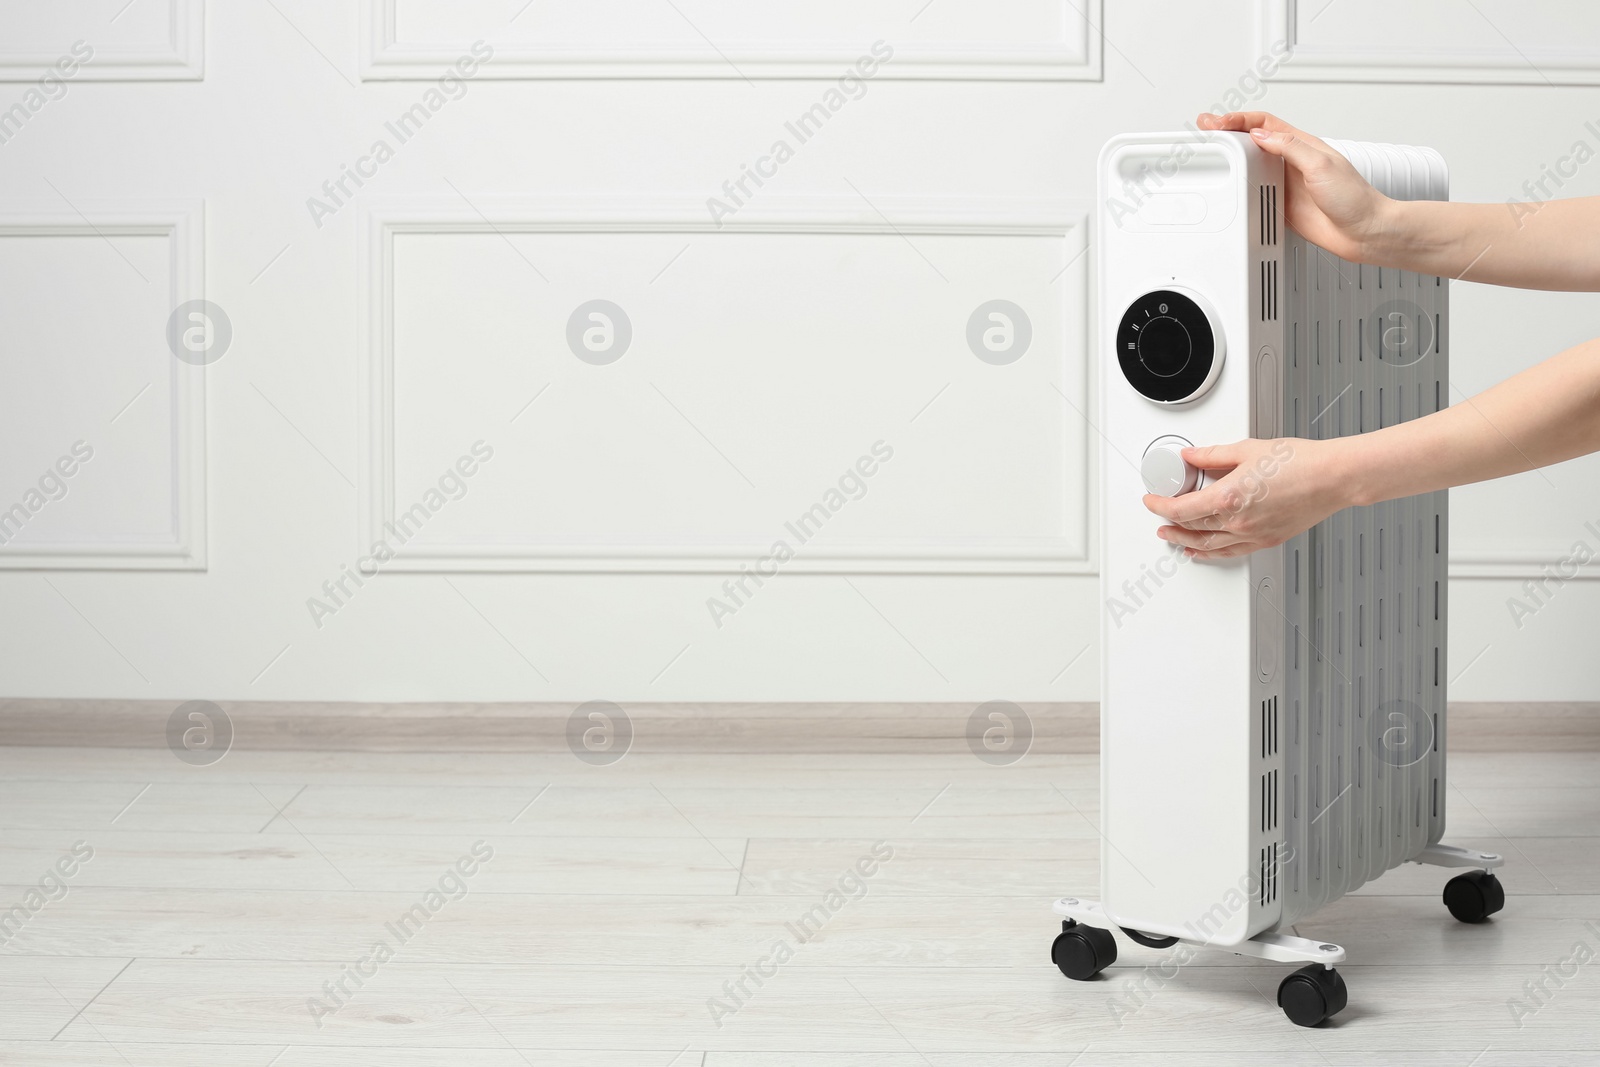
(429,311)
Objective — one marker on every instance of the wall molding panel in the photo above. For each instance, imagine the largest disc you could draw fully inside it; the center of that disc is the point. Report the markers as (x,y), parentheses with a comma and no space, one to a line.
(181,57)
(1379,59)
(1067,550)
(1514,565)
(183,546)
(1077,56)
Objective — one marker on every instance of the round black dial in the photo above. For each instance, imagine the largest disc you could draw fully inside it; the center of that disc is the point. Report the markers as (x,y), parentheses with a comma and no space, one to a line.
(1165,346)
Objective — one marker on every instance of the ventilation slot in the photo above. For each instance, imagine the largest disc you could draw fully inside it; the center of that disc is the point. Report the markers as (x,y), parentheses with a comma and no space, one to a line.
(1267,210)
(1269,801)
(1269,874)
(1269,727)
(1269,290)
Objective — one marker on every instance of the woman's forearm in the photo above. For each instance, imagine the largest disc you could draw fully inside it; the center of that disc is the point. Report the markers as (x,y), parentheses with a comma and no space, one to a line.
(1528,245)
(1546,414)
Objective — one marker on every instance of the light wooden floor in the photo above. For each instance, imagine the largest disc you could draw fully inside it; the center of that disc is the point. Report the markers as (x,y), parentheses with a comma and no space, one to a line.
(620,899)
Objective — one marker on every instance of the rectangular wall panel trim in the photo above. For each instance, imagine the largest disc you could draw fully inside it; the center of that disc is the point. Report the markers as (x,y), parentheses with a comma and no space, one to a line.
(1075,58)
(1514,565)
(1068,552)
(1559,63)
(183,226)
(180,58)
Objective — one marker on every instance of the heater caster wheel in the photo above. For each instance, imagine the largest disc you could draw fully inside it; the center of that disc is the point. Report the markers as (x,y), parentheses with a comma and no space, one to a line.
(1083,951)
(1312,994)
(1474,896)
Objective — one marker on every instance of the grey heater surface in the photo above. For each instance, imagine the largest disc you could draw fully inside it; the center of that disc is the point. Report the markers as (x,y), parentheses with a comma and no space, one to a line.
(1361,719)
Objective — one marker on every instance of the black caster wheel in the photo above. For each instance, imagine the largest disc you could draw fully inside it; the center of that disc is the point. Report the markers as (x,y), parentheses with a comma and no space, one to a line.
(1312,994)
(1474,896)
(1083,951)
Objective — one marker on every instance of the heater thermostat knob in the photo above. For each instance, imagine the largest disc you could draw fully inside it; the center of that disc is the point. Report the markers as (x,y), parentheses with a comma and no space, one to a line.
(1164,469)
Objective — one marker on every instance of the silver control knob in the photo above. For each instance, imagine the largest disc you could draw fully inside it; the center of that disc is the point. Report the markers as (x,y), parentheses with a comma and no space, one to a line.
(1164,470)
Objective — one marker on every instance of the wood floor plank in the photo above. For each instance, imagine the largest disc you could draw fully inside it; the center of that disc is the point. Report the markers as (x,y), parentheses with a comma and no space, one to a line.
(41,995)
(490,1057)
(676,810)
(643,810)
(1512,769)
(98,1053)
(184,804)
(1531,810)
(945,810)
(680,865)
(977,866)
(730,931)
(74,1053)
(865,1010)
(638,767)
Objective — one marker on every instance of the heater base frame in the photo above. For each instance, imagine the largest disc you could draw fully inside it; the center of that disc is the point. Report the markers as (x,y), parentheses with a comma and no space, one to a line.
(1279,948)
(1443,855)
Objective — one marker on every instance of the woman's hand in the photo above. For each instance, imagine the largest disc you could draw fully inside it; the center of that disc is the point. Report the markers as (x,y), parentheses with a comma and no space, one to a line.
(1272,491)
(1326,201)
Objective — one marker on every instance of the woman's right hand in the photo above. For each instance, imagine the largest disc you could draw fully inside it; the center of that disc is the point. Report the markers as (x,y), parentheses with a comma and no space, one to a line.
(1327,201)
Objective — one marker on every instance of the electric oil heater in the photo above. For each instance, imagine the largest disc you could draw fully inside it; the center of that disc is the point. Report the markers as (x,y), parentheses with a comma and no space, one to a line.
(1272,728)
